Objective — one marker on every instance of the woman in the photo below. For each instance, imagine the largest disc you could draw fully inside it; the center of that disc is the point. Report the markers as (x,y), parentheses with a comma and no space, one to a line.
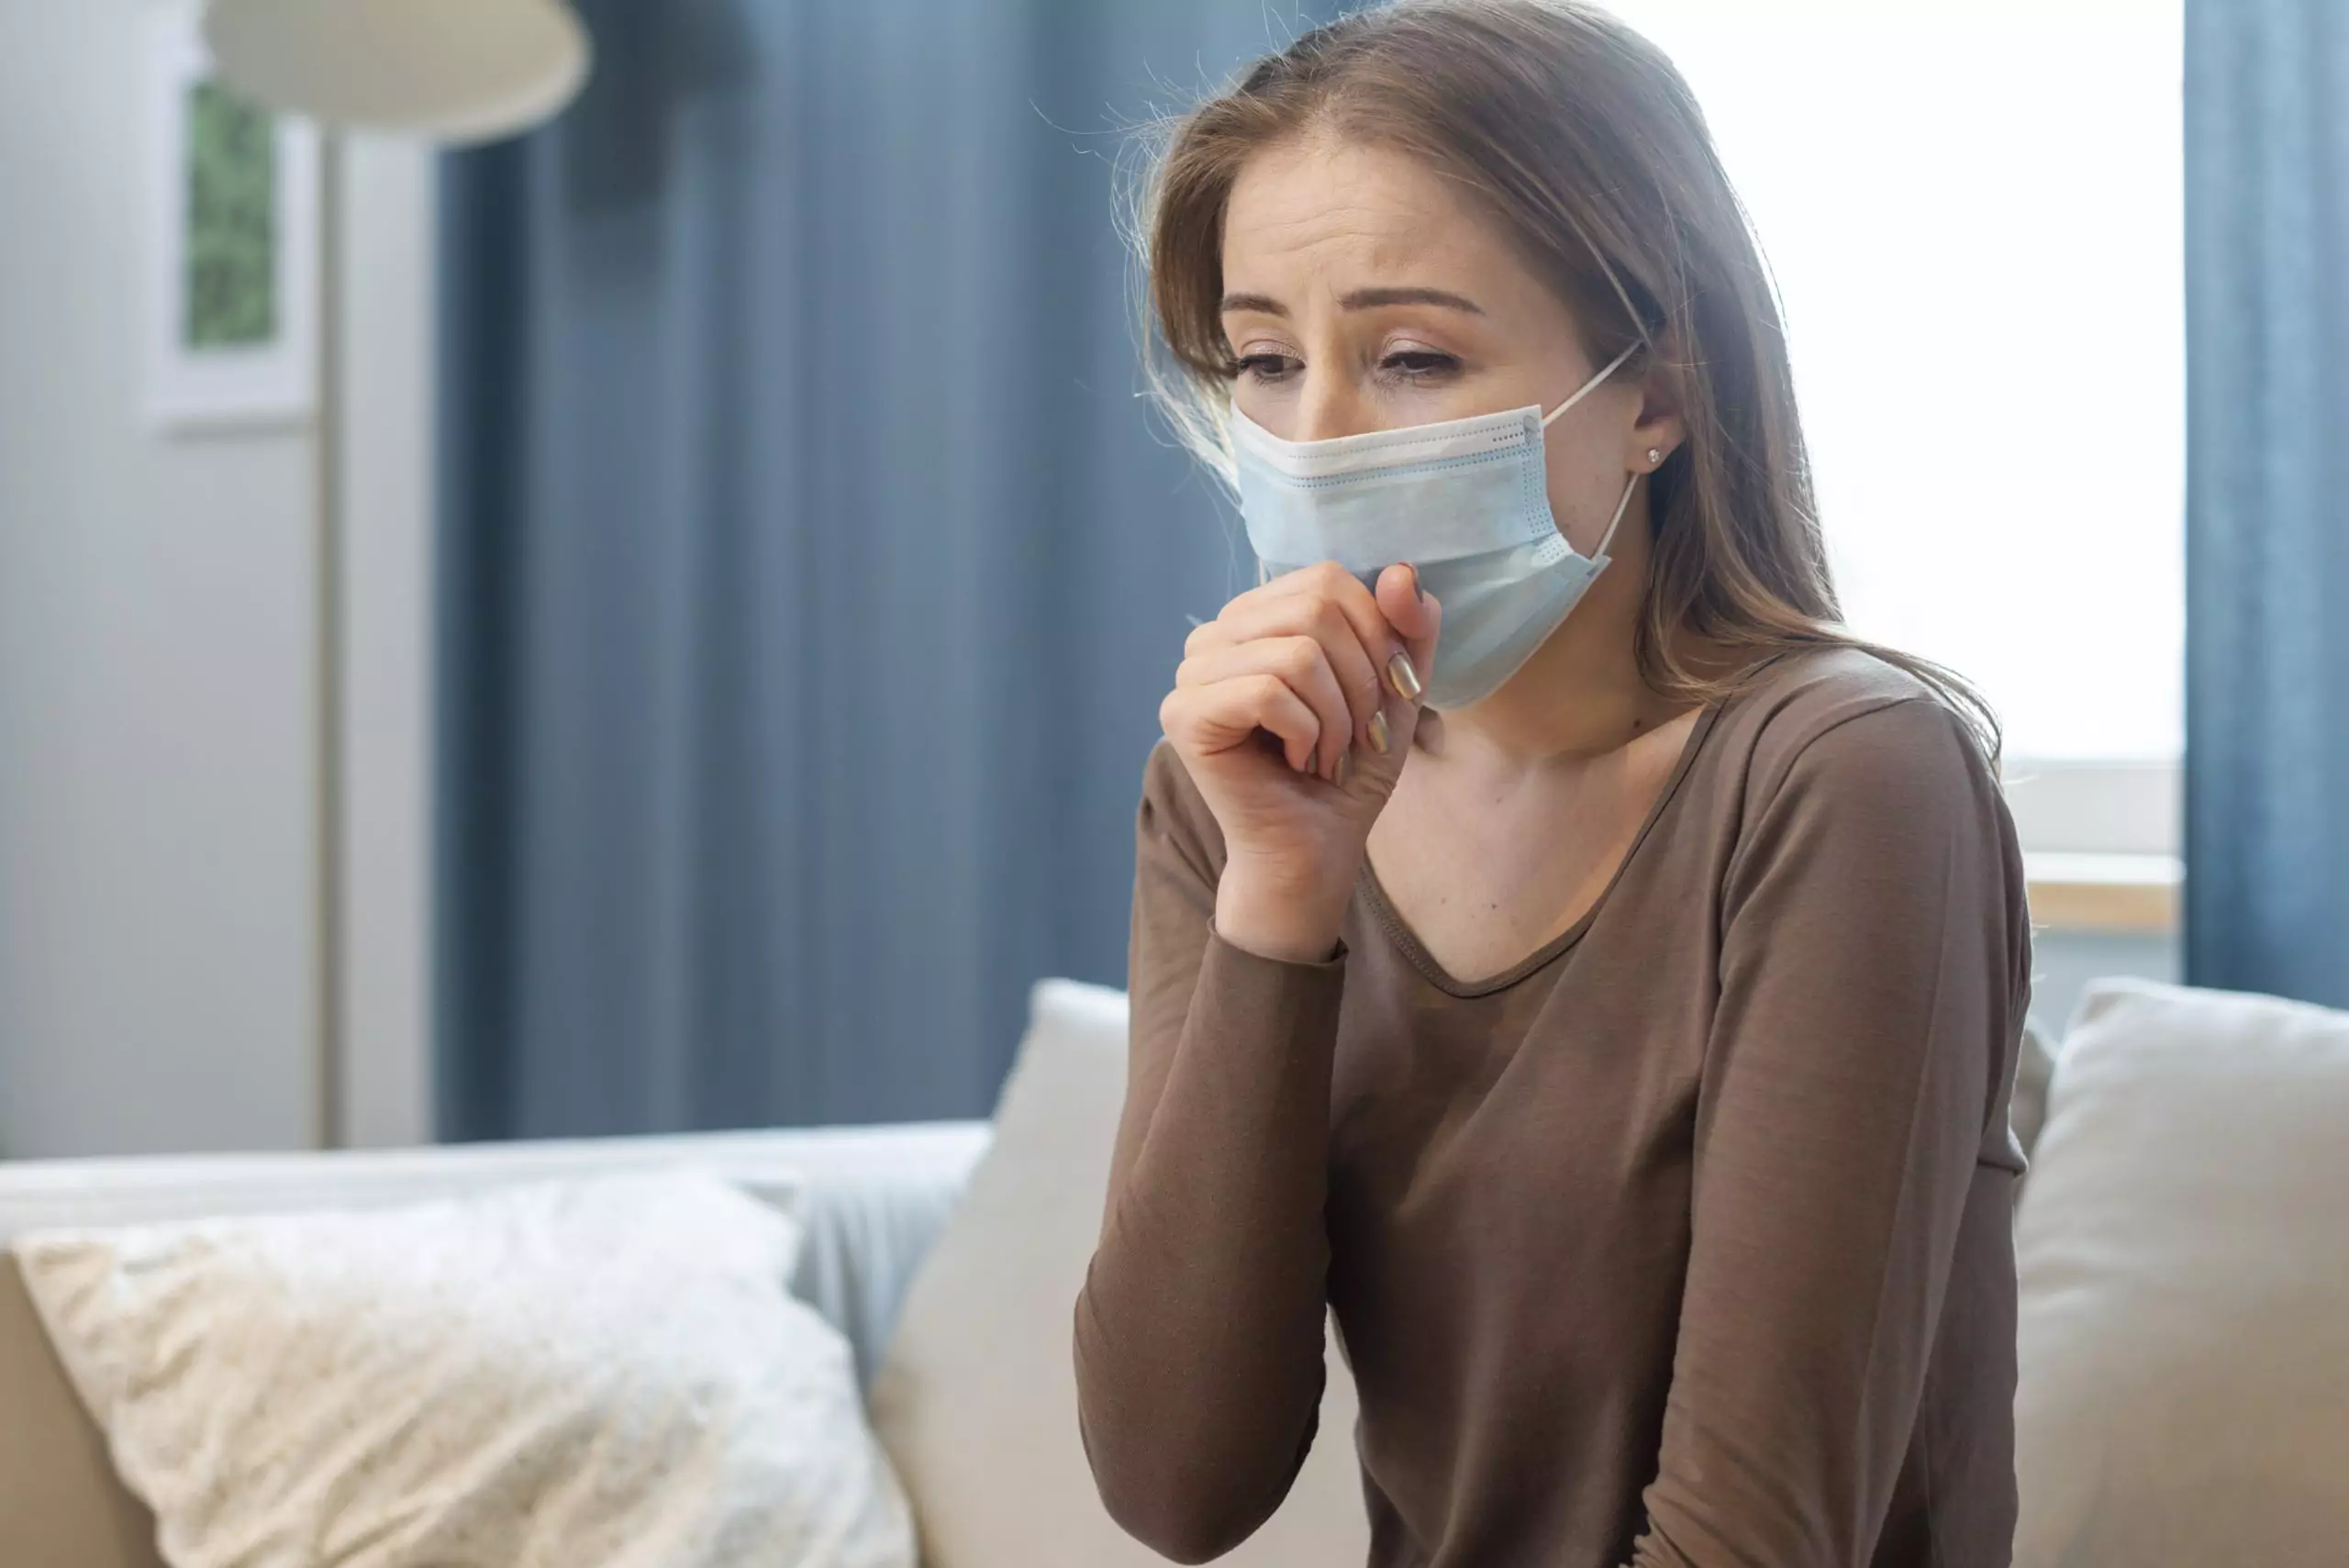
(1557,946)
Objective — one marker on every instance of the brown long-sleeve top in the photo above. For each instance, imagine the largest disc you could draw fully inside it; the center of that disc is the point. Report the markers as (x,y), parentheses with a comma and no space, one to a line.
(1684,1243)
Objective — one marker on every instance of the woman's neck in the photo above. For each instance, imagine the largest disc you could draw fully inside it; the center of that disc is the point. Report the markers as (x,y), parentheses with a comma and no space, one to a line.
(1559,712)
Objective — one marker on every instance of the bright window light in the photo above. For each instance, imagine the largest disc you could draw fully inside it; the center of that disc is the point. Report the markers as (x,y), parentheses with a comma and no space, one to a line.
(1974,209)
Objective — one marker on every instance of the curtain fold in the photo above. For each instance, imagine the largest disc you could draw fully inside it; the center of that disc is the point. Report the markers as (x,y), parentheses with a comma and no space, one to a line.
(811,571)
(2267,497)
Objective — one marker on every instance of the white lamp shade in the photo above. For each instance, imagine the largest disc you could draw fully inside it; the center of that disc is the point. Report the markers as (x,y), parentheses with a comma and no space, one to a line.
(451,70)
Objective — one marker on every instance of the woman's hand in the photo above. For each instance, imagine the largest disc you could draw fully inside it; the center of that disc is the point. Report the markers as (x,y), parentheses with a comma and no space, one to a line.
(1294,711)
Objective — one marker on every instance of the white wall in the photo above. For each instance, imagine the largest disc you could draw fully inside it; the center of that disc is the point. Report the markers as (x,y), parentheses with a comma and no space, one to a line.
(158,949)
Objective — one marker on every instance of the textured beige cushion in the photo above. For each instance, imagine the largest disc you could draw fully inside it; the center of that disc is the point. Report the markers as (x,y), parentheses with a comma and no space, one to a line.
(607,1371)
(976,1399)
(2184,1252)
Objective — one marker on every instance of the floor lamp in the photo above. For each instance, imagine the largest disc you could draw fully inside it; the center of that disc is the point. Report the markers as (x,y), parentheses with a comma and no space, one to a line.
(447,72)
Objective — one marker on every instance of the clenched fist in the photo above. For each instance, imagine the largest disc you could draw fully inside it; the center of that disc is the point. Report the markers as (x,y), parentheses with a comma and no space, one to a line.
(1293,711)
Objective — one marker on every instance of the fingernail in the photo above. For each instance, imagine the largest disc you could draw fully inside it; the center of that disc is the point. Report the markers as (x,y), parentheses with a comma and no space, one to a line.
(1378,735)
(1402,677)
(1345,766)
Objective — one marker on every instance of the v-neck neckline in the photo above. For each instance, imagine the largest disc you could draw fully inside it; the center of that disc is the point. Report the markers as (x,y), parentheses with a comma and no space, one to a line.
(1407,940)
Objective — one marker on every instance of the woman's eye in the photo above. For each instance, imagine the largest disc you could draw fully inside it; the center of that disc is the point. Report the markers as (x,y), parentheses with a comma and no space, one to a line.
(1263,367)
(1419,364)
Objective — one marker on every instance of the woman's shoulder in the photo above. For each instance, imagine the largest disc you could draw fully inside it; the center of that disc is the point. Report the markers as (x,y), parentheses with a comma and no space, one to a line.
(1842,720)
(1852,780)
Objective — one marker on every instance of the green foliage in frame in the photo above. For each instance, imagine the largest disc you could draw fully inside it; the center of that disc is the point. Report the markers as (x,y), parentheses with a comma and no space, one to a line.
(231,214)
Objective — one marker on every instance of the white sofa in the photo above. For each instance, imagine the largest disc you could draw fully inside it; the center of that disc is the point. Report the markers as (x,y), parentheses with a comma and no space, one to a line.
(871,1201)
(2189,1189)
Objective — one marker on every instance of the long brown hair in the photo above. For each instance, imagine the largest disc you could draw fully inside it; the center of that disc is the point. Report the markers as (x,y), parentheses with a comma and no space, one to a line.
(1581,138)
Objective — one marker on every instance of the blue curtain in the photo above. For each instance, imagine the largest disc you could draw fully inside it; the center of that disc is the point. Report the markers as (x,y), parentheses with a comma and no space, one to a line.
(811,571)
(2267,497)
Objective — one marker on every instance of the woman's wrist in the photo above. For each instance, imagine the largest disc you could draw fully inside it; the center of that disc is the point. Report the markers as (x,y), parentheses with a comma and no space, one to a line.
(1281,910)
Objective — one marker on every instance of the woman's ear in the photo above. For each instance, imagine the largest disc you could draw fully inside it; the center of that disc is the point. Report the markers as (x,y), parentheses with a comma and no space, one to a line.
(1660,429)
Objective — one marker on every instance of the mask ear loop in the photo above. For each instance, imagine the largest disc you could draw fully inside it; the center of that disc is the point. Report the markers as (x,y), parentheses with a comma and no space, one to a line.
(1620,506)
(1593,385)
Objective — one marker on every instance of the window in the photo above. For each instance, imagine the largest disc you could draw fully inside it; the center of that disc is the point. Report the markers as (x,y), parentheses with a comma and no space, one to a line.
(1974,214)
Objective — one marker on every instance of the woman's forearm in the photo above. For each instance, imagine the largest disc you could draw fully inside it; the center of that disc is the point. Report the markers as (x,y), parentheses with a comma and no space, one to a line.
(1199,1330)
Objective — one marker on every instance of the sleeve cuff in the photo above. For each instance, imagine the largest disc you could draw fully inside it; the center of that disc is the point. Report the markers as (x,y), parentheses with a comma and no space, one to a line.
(1230,953)
(1241,995)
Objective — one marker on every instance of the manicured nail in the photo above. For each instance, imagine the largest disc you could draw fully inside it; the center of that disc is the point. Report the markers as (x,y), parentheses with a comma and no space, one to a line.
(1345,766)
(1378,735)
(1402,677)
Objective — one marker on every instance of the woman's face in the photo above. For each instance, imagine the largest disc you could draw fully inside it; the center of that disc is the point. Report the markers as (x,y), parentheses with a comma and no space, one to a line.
(1362,293)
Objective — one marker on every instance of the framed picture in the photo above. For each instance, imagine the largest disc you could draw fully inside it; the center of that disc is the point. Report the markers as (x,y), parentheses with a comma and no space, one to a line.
(230,241)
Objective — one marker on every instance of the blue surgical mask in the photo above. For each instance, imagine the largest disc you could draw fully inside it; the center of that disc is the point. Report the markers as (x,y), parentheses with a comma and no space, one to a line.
(1466,502)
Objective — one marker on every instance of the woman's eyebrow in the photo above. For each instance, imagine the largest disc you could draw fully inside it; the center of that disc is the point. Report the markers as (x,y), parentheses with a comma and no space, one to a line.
(1361,299)
(1371,299)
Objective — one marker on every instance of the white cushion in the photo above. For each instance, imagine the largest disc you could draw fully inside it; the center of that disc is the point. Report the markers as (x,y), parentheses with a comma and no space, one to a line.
(976,1398)
(607,1372)
(2184,1252)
